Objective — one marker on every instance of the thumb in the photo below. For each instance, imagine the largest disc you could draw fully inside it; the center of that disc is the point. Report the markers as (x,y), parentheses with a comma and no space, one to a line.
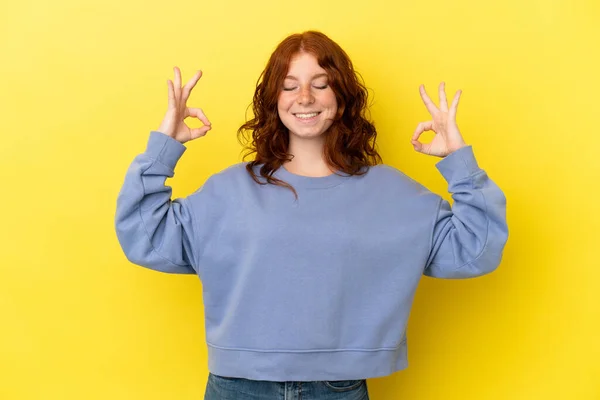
(199,132)
(418,146)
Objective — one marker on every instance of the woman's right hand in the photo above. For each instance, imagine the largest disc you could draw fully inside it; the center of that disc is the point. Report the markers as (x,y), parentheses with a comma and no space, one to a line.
(173,124)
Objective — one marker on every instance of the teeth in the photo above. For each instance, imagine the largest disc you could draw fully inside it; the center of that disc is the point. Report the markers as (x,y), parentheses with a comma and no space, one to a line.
(306,116)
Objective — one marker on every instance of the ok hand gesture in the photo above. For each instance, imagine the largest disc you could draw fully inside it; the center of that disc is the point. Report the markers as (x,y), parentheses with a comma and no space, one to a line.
(447,136)
(173,124)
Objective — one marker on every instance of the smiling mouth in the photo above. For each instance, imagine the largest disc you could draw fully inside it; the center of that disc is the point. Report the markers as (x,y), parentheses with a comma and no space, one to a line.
(307,116)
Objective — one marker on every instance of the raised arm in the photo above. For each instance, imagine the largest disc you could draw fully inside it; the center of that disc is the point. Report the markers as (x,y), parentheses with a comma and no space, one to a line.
(468,238)
(153,230)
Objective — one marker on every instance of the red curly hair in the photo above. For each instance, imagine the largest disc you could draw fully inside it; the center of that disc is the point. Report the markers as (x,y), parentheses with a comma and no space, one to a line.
(349,141)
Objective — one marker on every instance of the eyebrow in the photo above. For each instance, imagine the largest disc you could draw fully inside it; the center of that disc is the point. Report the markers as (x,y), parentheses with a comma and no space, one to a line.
(314,77)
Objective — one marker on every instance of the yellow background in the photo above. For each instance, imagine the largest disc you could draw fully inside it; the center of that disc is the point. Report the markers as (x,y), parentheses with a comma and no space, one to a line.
(83,83)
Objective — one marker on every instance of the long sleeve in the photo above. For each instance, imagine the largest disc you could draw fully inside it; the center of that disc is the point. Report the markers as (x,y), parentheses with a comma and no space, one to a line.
(468,238)
(153,230)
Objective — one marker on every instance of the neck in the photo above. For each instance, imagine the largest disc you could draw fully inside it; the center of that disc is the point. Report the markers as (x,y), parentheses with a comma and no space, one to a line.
(308,157)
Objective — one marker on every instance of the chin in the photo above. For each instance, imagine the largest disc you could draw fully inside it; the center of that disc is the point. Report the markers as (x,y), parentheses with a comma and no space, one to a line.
(306,136)
(303,133)
(306,131)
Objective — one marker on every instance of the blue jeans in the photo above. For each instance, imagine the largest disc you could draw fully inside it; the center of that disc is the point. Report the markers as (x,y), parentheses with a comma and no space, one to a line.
(224,388)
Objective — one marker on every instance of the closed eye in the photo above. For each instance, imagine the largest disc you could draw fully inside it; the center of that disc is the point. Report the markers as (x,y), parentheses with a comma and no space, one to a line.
(316,87)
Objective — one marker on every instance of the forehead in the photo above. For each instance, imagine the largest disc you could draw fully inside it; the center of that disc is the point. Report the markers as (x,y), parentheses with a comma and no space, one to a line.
(304,64)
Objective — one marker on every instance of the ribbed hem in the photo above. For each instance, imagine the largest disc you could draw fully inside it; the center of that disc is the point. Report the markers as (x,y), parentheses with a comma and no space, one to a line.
(458,165)
(306,366)
(164,149)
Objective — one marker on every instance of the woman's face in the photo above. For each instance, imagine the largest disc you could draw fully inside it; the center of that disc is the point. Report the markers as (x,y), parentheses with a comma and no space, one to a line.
(306,103)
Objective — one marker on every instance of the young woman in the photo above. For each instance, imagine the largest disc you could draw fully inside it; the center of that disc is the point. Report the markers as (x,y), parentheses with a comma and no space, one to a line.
(310,254)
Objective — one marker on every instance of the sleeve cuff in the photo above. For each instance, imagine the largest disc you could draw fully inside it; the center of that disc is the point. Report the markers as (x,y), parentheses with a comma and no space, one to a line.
(459,164)
(164,149)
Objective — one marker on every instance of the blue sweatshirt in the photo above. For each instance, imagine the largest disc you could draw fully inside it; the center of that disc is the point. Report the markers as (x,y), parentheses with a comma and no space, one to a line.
(317,288)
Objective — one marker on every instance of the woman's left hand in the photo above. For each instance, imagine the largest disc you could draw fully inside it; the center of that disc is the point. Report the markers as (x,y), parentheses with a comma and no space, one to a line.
(447,136)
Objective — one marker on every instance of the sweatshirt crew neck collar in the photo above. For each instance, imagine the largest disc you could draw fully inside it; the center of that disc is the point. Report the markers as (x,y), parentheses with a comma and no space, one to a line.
(311,182)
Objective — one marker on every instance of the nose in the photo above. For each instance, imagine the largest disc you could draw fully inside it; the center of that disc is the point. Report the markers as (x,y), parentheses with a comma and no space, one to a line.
(305,96)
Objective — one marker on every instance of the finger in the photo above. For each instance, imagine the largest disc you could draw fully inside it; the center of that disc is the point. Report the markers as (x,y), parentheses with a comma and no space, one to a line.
(428,103)
(422,127)
(454,106)
(199,132)
(177,83)
(190,85)
(171,94)
(198,113)
(421,147)
(443,101)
